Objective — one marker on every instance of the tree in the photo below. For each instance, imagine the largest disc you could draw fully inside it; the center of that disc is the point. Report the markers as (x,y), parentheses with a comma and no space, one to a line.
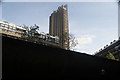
(33,30)
(27,29)
(110,56)
(72,41)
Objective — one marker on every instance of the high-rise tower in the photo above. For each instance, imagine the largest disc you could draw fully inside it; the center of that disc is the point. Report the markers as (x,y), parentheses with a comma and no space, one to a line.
(58,26)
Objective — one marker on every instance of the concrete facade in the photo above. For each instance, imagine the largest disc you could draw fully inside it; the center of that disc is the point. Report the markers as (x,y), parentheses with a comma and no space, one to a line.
(113,48)
(27,60)
(58,26)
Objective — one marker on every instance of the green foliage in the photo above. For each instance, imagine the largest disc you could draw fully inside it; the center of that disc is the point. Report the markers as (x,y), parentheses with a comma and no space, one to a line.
(110,56)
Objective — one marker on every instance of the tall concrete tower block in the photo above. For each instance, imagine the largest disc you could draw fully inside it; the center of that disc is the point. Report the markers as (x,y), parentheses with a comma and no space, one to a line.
(58,25)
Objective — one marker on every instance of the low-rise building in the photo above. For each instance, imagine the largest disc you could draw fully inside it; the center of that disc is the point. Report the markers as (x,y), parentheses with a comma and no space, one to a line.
(113,48)
(19,32)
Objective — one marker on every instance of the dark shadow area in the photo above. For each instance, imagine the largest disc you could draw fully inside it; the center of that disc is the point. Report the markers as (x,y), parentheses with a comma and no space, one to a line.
(0,56)
(26,60)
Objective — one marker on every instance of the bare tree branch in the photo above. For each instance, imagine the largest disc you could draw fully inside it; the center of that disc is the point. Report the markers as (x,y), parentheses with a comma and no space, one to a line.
(73,41)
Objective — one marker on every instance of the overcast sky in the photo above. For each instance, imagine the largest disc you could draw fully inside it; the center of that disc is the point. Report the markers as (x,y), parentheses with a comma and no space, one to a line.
(95,24)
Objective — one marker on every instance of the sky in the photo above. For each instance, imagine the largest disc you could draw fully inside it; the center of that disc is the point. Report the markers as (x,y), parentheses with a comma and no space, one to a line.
(94,24)
(60,0)
(119,20)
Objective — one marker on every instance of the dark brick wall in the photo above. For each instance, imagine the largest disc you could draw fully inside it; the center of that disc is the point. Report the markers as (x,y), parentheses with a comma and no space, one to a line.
(26,60)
